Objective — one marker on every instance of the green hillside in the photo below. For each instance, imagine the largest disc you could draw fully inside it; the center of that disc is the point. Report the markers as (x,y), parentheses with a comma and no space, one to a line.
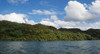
(13,31)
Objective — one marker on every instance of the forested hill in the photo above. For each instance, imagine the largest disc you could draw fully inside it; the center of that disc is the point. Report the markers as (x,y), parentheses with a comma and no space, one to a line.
(13,31)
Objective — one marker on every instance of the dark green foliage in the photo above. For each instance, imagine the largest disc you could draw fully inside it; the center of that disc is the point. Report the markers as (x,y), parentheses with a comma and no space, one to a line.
(94,33)
(24,32)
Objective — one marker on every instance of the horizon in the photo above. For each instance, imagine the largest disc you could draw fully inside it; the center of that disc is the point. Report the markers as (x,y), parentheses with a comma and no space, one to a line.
(59,13)
(52,26)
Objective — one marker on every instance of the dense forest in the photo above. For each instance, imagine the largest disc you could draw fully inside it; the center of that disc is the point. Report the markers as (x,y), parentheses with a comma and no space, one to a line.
(13,31)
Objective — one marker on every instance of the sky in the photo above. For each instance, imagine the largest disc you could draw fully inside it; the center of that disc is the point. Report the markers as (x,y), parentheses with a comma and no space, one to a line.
(83,14)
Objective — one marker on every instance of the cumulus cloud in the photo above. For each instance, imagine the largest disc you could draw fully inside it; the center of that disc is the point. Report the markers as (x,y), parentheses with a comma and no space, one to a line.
(49,23)
(70,24)
(43,12)
(19,18)
(58,23)
(30,22)
(52,21)
(17,1)
(54,17)
(77,15)
(95,7)
(13,17)
(77,12)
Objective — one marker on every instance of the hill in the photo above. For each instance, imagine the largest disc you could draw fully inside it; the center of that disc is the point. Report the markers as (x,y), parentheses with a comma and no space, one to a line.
(13,31)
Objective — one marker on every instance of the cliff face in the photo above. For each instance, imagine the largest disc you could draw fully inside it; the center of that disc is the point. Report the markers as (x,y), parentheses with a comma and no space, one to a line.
(24,32)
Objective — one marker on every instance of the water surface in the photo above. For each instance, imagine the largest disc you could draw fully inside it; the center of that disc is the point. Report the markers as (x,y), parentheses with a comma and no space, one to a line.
(50,47)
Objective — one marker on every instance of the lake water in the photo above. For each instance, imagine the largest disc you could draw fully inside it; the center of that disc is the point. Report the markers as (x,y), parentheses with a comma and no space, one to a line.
(50,47)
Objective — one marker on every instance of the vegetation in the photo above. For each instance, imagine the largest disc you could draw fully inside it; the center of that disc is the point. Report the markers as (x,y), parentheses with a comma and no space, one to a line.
(13,31)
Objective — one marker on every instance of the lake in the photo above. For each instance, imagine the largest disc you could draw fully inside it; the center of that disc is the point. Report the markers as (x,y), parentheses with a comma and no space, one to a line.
(50,47)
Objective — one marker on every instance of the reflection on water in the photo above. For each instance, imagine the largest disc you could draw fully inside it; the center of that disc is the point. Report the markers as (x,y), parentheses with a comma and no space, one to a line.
(11,47)
(50,47)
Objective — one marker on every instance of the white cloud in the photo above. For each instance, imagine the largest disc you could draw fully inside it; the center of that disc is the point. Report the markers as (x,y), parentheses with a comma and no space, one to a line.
(95,7)
(19,18)
(13,17)
(77,12)
(49,23)
(77,15)
(30,22)
(43,12)
(70,24)
(46,19)
(53,21)
(17,1)
(57,23)
(54,17)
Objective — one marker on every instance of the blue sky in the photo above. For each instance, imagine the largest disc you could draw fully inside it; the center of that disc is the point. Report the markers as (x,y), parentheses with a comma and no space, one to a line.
(56,5)
(59,9)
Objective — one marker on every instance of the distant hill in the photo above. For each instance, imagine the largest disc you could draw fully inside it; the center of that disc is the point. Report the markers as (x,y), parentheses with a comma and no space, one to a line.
(13,31)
